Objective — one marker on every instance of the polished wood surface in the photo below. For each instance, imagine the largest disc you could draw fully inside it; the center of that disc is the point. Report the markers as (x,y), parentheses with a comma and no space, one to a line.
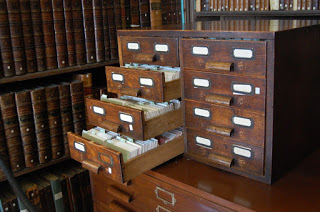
(298,190)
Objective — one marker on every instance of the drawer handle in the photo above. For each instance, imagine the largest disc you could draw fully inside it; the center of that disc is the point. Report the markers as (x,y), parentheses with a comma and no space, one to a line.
(130,91)
(111,126)
(218,99)
(145,57)
(219,159)
(160,209)
(159,190)
(226,131)
(92,166)
(124,196)
(116,206)
(219,66)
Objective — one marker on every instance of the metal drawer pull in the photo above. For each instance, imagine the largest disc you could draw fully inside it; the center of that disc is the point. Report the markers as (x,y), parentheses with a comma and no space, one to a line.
(218,99)
(111,126)
(219,66)
(124,196)
(226,131)
(171,202)
(160,209)
(219,159)
(92,166)
(145,57)
(130,91)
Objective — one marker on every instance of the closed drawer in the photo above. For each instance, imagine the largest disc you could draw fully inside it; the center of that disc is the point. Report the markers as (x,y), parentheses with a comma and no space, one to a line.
(242,125)
(225,152)
(232,56)
(142,83)
(108,162)
(129,121)
(150,50)
(227,90)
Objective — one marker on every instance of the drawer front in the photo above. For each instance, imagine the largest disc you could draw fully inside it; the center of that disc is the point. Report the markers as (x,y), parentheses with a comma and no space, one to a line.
(226,90)
(232,56)
(246,126)
(150,50)
(142,83)
(225,152)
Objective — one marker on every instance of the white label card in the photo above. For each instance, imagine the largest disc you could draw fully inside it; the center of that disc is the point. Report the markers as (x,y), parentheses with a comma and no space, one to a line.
(146,81)
(200,50)
(79,146)
(242,151)
(133,46)
(98,110)
(242,121)
(198,82)
(161,47)
(203,141)
(202,112)
(243,88)
(117,77)
(58,196)
(126,118)
(243,53)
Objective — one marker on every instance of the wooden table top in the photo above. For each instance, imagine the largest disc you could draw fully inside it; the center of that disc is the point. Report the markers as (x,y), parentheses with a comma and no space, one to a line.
(298,190)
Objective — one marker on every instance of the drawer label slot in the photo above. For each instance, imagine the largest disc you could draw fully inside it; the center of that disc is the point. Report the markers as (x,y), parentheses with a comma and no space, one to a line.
(146,82)
(243,53)
(205,142)
(200,50)
(161,47)
(133,45)
(240,88)
(242,151)
(206,113)
(199,82)
(79,146)
(117,77)
(98,110)
(241,121)
(126,117)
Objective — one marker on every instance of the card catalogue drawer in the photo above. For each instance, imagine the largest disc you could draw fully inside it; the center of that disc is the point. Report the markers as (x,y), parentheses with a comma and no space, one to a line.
(227,90)
(149,50)
(225,152)
(101,159)
(246,126)
(129,121)
(234,56)
(142,83)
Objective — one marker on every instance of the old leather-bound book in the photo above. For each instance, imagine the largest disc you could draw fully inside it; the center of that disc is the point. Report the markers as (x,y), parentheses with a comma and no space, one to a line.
(60,33)
(87,12)
(155,13)
(13,7)
(144,13)
(40,116)
(135,17)
(3,147)
(27,30)
(86,79)
(8,199)
(117,13)
(31,190)
(78,29)
(98,29)
(26,124)
(49,34)
(106,36)
(112,30)
(54,120)
(78,107)
(68,18)
(38,35)
(11,131)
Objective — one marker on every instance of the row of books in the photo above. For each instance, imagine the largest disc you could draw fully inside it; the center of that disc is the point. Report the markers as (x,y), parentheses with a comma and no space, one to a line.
(129,147)
(34,122)
(62,188)
(255,5)
(38,35)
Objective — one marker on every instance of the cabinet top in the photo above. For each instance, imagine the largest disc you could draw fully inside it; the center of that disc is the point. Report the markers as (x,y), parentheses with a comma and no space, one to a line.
(259,29)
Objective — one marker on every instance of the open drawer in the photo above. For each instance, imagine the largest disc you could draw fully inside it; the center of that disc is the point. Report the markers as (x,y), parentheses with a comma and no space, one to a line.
(104,160)
(146,84)
(129,121)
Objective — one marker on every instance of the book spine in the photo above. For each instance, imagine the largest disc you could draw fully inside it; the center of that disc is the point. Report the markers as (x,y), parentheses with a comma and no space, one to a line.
(26,124)
(11,131)
(57,194)
(48,32)
(223,5)
(134,8)
(266,5)
(87,12)
(78,32)
(155,13)
(174,11)
(60,33)
(5,42)
(123,14)
(112,31)
(315,5)
(15,23)
(164,12)
(106,36)
(127,13)
(40,116)
(65,113)
(252,5)
(78,107)
(303,4)
(246,5)
(117,13)
(290,6)
(98,29)
(50,198)
(38,35)
(87,83)
(71,49)
(3,148)
(144,11)
(179,12)
(54,120)
(257,5)
(31,60)
(309,5)
(281,4)
(169,13)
